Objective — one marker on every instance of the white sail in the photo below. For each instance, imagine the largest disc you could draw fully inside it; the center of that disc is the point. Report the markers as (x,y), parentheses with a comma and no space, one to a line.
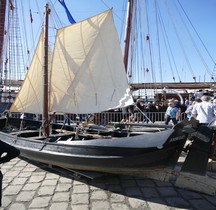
(30,96)
(87,73)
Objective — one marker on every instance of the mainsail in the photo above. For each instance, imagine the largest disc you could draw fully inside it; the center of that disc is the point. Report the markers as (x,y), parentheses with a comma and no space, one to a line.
(87,73)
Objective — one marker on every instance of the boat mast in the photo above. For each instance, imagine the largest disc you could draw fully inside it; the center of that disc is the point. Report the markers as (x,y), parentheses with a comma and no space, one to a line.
(45,94)
(2,19)
(128,33)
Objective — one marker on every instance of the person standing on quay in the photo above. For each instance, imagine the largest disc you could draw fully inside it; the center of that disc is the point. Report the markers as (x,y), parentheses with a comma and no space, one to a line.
(189,109)
(204,111)
(174,114)
(167,114)
(171,113)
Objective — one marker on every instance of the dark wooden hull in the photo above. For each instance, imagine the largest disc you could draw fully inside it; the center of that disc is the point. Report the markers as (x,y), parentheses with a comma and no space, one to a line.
(126,155)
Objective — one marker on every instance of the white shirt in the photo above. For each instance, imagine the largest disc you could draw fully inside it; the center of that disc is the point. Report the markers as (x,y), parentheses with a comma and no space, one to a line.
(204,112)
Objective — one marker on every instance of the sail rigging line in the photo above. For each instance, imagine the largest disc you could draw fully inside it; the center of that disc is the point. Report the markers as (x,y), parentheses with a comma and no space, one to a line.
(143,62)
(21,61)
(134,46)
(105,4)
(39,10)
(141,65)
(32,33)
(149,45)
(194,44)
(54,17)
(179,40)
(24,33)
(15,48)
(137,58)
(197,33)
(214,73)
(149,60)
(158,41)
(29,37)
(121,19)
(167,45)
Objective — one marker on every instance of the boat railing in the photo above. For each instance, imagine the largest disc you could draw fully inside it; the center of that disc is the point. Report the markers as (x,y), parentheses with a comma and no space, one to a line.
(106,118)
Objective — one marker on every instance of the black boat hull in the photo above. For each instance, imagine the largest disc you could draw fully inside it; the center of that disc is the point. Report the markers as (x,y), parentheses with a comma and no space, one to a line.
(127,155)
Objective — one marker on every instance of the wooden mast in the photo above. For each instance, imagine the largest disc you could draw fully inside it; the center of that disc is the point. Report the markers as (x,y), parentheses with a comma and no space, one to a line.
(2,19)
(46,85)
(128,33)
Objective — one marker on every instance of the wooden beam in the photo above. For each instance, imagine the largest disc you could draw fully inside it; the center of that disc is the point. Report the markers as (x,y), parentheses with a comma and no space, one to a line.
(170,85)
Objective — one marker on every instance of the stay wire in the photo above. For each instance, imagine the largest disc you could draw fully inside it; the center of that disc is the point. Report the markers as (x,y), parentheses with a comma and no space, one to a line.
(197,34)
(194,44)
(180,42)
(168,47)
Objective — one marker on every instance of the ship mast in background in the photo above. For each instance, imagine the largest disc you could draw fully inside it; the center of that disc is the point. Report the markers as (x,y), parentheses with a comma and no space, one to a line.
(2,21)
(12,68)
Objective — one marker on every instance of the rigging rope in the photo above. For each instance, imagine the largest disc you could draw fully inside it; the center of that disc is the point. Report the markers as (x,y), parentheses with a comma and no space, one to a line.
(180,42)
(193,42)
(150,48)
(197,34)
(24,33)
(167,45)
(158,41)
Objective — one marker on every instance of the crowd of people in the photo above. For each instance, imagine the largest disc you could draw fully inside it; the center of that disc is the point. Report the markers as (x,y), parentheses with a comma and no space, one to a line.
(145,112)
(201,106)
(140,111)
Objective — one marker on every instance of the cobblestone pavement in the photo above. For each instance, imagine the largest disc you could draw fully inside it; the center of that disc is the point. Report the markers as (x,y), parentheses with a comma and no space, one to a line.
(29,186)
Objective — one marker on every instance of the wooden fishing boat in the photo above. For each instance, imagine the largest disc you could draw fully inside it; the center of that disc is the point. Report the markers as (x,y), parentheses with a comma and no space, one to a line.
(124,155)
(84,69)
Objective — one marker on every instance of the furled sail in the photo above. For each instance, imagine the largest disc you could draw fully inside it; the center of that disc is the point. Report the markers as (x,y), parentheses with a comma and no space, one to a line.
(87,72)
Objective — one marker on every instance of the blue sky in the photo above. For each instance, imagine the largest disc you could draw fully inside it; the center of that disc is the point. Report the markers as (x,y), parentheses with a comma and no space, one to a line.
(201,14)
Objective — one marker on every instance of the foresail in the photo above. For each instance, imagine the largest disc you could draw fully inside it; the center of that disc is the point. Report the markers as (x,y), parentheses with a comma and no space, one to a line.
(88,73)
(29,98)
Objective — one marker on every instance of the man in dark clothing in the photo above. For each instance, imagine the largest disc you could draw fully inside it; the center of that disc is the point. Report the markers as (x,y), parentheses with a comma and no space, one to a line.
(7,152)
(152,111)
(139,110)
